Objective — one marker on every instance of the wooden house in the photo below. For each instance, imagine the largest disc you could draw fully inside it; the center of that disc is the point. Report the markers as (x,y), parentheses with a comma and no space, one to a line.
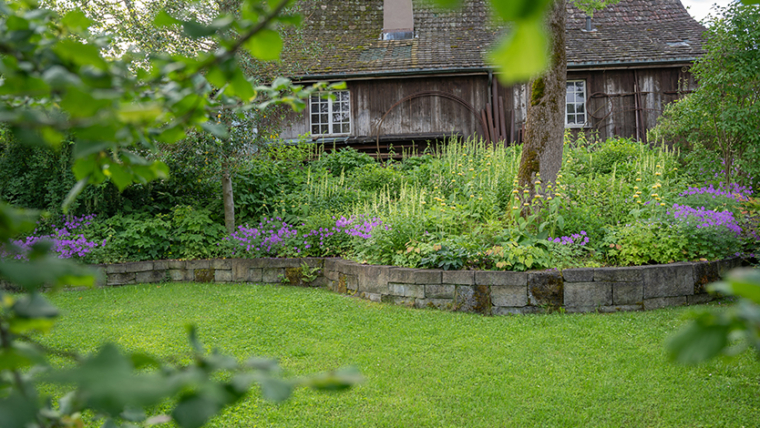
(417,73)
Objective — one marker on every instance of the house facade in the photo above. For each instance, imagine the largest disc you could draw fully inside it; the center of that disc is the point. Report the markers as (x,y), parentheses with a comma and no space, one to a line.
(415,73)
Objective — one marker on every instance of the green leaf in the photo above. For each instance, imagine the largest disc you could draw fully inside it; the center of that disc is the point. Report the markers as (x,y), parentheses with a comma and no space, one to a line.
(197,30)
(80,53)
(48,270)
(266,45)
(119,175)
(140,113)
(215,129)
(522,55)
(240,86)
(274,389)
(76,21)
(743,283)
(17,411)
(34,306)
(163,19)
(517,10)
(699,341)
(73,193)
(193,410)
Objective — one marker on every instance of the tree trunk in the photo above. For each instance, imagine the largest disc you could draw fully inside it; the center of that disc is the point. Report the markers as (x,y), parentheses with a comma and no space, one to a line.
(545,124)
(229,203)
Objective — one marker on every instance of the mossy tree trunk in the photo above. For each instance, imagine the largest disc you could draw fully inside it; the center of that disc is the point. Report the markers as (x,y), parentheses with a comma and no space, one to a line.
(545,124)
(229,203)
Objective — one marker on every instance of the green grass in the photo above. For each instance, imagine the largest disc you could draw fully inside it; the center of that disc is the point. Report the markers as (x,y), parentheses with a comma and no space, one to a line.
(425,368)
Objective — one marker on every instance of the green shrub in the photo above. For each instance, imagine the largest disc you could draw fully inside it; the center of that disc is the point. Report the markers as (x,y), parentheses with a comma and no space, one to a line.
(343,161)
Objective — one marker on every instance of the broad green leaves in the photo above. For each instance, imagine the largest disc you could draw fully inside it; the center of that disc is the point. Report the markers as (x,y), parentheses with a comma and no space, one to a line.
(723,333)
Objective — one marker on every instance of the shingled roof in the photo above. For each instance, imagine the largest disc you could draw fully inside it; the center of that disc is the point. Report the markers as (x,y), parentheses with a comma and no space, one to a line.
(345,37)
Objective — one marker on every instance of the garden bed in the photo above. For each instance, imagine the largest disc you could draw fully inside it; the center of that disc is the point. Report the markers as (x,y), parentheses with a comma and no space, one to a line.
(484,292)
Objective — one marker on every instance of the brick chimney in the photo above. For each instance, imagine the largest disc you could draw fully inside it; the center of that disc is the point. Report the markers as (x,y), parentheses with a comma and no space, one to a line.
(398,20)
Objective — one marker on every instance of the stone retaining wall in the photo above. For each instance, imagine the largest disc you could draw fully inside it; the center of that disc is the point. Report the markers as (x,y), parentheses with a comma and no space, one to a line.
(484,292)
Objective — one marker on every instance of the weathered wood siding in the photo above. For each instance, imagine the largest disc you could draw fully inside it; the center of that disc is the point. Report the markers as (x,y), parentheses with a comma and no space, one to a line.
(611,106)
(371,99)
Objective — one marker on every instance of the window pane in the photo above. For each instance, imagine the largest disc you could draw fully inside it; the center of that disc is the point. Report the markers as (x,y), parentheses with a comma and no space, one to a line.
(314,118)
(570,86)
(344,107)
(344,96)
(325,129)
(336,129)
(323,107)
(580,108)
(570,108)
(344,117)
(571,119)
(315,129)
(346,128)
(324,119)
(315,108)
(336,117)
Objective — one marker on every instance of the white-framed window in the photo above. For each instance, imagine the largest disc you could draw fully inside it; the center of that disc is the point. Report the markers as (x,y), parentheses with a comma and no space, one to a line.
(330,116)
(575,104)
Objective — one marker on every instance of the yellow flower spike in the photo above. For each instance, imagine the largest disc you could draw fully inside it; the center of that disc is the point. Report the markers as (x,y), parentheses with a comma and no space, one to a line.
(537,196)
(443,204)
(422,203)
(526,191)
(488,164)
(472,196)
(557,194)
(480,199)
(635,196)
(654,195)
(514,191)
(635,187)
(526,204)
(472,169)
(662,204)
(548,198)
(657,166)
(657,173)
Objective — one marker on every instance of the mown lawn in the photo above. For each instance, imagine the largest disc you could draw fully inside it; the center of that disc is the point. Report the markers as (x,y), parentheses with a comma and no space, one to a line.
(425,368)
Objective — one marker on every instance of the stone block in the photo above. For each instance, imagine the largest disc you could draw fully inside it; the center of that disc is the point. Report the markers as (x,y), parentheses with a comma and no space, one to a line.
(705,273)
(699,299)
(223,275)
(372,297)
(331,264)
(728,264)
(587,294)
(352,268)
(509,295)
(578,275)
(664,302)
(458,277)
(407,290)
(621,308)
(160,265)
(439,291)
(676,279)
(483,277)
(176,264)
(256,275)
(272,275)
(116,268)
(241,271)
(204,275)
(414,276)
(221,264)
(397,300)
(139,266)
(352,283)
(441,304)
(198,264)
(151,276)
(625,274)
(178,275)
(319,281)
(120,278)
(373,279)
(473,298)
(546,289)
(627,293)
(312,262)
